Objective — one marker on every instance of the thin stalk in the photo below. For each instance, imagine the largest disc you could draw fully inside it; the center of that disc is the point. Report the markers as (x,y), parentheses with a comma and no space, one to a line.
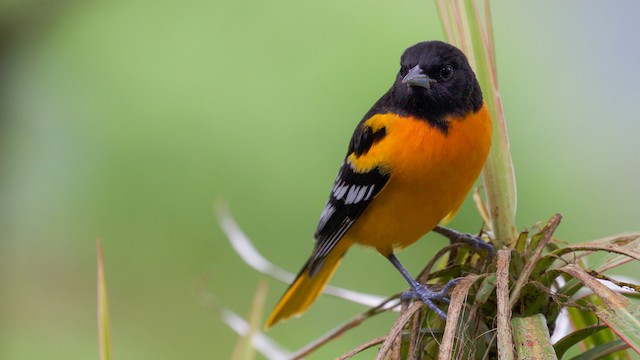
(104,329)
(474,36)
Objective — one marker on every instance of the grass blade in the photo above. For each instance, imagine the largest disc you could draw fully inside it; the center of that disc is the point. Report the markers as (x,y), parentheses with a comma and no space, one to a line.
(630,242)
(619,246)
(601,351)
(104,329)
(575,337)
(244,349)
(396,330)
(533,260)
(250,255)
(485,290)
(505,341)
(586,319)
(369,344)
(343,328)
(532,339)
(622,315)
(260,341)
(457,301)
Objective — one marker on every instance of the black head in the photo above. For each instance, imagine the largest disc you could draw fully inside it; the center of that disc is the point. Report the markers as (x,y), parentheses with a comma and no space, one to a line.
(434,81)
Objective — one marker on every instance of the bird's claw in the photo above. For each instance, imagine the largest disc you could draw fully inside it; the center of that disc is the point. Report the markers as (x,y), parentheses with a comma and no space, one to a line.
(427,296)
(477,243)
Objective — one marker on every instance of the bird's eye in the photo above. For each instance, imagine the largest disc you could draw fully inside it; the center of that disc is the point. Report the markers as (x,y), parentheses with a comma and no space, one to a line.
(446,72)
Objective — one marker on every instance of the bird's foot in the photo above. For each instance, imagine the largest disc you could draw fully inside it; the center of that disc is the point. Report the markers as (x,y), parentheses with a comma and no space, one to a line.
(475,241)
(427,296)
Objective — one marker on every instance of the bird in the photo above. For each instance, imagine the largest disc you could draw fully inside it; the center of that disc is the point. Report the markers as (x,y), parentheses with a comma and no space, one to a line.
(410,163)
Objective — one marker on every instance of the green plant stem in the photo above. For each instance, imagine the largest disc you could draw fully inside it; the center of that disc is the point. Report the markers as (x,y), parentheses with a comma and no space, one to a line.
(104,329)
(505,343)
(462,21)
(531,336)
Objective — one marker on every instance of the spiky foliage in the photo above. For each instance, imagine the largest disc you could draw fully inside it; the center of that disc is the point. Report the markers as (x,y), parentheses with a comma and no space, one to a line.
(508,308)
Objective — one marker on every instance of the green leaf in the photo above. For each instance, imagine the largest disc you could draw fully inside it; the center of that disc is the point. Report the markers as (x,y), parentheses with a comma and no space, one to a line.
(584,319)
(545,236)
(104,330)
(575,337)
(487,286)
(621,314)
(531,335)
(601,351)
(521,243)
(535,240)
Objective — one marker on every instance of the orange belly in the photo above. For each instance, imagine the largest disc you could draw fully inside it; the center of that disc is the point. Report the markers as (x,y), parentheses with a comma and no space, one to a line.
(431,174)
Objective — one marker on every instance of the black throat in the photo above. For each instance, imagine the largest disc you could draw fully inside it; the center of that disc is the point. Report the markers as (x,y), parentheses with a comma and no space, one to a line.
(418,103)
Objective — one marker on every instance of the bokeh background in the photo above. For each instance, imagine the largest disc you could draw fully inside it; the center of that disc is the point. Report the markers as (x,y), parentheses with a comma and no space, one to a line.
(126,120)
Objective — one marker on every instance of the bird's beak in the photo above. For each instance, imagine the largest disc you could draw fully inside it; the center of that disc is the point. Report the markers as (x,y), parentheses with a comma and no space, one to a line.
(416,77)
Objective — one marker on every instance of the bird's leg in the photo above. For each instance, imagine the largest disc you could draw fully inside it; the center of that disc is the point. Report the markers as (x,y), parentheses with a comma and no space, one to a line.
(475,241)
(422,292)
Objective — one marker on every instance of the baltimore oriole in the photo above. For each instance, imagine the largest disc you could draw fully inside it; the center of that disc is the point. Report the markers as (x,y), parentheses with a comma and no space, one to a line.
(411,161)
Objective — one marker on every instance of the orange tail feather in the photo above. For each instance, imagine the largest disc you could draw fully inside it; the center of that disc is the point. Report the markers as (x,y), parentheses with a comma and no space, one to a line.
(305,289)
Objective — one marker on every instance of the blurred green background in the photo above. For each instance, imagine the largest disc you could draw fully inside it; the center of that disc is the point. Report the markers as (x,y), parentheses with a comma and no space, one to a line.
(126,120)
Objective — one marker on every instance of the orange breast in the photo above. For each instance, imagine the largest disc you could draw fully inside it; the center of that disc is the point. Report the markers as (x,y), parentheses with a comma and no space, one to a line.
(431,174)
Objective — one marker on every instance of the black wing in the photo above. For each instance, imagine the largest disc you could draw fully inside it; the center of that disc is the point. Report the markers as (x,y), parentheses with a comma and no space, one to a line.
(351,193)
